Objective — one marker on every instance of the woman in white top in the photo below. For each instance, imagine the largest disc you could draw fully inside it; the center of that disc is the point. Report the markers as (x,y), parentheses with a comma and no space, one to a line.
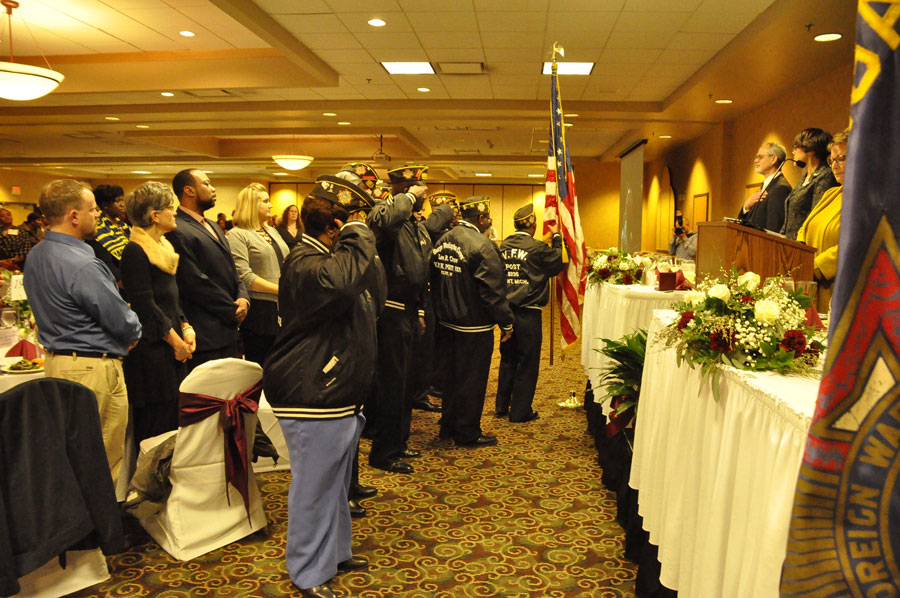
(258,252)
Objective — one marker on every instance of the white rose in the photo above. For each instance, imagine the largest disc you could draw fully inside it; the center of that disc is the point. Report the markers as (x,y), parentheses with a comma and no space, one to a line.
(766,311)
(749,280)
(647,262)
(603,260)
(624,265)
(720,291)
(695,298)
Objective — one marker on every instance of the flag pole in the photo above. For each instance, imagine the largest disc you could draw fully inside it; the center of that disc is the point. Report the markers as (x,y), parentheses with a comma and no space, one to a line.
(557,49)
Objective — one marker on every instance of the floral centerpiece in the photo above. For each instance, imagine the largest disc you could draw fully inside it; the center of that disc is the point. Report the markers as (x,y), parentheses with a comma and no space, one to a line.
(735,321)
(617,267)
(24,317)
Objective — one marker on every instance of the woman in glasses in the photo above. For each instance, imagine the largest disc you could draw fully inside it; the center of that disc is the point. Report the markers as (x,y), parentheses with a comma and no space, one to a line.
(822,228)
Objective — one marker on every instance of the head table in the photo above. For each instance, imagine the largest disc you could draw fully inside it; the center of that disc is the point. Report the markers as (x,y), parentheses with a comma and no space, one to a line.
(611,311)
(716,480)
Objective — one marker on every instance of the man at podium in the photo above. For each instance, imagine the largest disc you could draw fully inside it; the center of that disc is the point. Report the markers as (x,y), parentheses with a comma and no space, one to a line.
(764,210)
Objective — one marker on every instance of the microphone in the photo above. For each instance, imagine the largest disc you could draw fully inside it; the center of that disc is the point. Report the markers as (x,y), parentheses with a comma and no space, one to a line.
(799,163)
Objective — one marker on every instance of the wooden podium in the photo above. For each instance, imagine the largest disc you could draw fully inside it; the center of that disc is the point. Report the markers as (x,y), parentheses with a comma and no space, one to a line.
(723,244)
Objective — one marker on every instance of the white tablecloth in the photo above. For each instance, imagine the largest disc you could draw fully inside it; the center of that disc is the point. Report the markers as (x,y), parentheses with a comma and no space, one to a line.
(612,311)
(716,480)
(8,381)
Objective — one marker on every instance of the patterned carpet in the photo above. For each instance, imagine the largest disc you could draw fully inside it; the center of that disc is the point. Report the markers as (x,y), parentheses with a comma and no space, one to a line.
(526,518)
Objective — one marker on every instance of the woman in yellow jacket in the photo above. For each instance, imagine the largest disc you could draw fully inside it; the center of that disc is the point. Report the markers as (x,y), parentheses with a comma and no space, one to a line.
(822,227)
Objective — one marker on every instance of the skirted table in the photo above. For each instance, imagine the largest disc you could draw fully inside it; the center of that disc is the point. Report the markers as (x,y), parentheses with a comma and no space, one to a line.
(611,311)
(716,480)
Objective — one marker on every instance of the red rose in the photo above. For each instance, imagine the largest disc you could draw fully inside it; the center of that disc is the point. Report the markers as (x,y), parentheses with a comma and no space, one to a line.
(719,342)
(686,317)
(639,273)
(604,273)
(794,340)
(746,299)
(627,279)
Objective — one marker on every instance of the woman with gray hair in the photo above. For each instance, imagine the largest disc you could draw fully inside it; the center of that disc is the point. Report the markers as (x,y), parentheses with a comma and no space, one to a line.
(154,369)
(258,251)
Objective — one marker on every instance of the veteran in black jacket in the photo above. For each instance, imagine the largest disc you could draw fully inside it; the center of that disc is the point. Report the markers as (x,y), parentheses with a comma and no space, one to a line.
(316,378)
(529,265)
(469,291)
(214,299)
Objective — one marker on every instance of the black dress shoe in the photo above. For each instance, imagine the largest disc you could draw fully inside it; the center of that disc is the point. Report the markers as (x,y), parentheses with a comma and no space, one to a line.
(322,591)
(409,453)
(534,415)
(425,405)
(356,510)
(395,466)
(353,563)
(484,440)
(501,412)
(359,492)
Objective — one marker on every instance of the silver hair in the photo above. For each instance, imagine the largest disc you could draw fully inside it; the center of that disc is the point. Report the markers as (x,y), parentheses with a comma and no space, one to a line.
(777,151)
(149,197)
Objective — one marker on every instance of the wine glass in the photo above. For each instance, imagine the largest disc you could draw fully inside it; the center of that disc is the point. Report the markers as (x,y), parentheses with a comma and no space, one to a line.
(8,317)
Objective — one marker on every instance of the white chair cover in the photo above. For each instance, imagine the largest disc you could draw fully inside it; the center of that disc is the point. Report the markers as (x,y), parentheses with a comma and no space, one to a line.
(198,516)
(272,428)
(84,568)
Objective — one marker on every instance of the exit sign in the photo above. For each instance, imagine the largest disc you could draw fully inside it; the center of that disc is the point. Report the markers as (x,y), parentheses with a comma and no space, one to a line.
(16,190)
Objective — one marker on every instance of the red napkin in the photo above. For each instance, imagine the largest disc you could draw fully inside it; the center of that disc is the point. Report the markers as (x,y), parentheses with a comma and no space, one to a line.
(24,349)
(682,283)
(812,318)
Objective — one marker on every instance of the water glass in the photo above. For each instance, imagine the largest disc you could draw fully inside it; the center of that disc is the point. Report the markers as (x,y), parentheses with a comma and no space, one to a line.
(8,317)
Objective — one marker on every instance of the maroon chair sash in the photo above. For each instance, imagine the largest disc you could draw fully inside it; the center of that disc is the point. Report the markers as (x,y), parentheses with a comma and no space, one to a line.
(197,407)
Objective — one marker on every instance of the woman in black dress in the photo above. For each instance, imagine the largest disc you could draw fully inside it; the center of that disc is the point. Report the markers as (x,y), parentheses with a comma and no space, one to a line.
(289,228)
(154,369)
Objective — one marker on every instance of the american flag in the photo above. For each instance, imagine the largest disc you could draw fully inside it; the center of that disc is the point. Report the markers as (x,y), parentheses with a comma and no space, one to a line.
(560,193)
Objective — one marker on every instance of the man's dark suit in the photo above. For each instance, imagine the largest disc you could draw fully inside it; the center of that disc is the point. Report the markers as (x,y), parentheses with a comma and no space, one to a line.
(208,286)
(768,213)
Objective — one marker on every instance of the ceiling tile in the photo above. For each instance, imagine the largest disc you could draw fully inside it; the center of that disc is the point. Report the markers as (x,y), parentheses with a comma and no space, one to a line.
(370,78)
(381,92)
(329,41)
(455,55)
(292,7)
(673,56)
(631,56)
(519,41)
(399,55)
(638,40)
(457,40)
(529,22)
(585,5)
(511,5)
(443,21)
(369,69)
(409,6)
(335,57)
(700,41)
(376,41)
(650,22)
(462,87)
(710,18)
(297,93)
(669,5)
(362,6)
(528,67)
(311,23)
(580,29)
(513,92)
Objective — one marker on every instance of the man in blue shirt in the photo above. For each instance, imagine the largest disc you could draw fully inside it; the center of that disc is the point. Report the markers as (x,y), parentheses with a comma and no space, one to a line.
(82,320)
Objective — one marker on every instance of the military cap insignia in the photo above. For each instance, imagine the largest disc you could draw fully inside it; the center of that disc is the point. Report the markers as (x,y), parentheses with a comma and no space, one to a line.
(407,174)
(481,207)
(361,169)
(344,196)
(327,185)
(369,183)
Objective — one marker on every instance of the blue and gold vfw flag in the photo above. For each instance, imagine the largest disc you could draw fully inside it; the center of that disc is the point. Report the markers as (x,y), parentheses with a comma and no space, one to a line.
(844,537)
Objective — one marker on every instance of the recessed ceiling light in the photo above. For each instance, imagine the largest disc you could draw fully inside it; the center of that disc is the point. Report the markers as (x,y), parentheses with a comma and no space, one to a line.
(423,89)
(569,68)
(483,174)
(167,94)
(377,23)
(570,115)
(665,136)
(112,118)
(344,123)
(329,114)
(280,173)
(828,37)
(724,101)
(186,33)
(535,176)
(140,172)
(142,126)
(408,68)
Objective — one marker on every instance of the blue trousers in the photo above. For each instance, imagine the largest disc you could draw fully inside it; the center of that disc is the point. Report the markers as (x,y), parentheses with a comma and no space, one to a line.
(319,529)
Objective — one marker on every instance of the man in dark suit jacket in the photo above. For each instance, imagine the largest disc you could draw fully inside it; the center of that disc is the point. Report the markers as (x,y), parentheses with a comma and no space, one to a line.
(212,295)
(764,210)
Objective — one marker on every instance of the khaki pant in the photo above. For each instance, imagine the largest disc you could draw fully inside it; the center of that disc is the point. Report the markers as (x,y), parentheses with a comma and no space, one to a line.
(105,377)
